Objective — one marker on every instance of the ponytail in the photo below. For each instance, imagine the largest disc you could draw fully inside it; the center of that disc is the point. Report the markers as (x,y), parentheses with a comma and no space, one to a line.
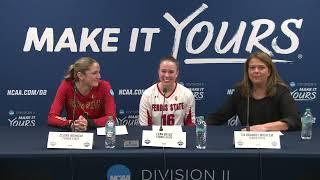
(70,76)
(81,65)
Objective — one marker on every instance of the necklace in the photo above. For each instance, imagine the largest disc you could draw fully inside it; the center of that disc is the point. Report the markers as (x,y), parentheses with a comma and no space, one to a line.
(85,113)
(81,105)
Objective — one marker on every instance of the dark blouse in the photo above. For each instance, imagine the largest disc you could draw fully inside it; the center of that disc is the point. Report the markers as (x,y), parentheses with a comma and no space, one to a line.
(280,107)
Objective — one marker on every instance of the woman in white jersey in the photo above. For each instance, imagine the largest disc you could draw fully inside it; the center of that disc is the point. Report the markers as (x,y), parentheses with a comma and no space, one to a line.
(167,99)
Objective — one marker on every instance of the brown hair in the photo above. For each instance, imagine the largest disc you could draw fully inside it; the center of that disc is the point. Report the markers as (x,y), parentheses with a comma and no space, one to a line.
(81,65)
(273,80)
(170,59)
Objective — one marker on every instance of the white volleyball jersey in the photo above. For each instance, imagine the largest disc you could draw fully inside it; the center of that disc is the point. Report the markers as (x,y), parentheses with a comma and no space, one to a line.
(178,107)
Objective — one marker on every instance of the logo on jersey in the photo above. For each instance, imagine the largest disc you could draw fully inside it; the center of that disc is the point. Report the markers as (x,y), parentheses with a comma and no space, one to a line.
(111,92)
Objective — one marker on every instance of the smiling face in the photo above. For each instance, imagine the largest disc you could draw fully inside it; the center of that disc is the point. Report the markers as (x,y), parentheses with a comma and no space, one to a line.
(168,73)
(258,72)
(92,76)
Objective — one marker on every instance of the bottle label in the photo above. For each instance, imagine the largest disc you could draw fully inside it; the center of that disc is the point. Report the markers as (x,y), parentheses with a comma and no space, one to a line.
(200,128)
(109,134)
(307,120)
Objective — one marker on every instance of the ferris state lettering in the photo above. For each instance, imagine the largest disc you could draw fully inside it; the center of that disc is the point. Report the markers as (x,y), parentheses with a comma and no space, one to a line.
(167,107)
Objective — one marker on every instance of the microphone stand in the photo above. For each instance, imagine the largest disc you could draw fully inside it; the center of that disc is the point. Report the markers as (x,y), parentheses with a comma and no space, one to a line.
(164,98)
(248,110)
(74,107)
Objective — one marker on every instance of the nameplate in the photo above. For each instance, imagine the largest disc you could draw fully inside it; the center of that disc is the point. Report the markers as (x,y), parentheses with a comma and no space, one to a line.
(251,139)
(131,143)
(174,128)
(70,140)
(164,139)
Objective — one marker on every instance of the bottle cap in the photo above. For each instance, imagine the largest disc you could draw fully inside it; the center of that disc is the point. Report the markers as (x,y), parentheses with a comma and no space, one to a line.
(200,119)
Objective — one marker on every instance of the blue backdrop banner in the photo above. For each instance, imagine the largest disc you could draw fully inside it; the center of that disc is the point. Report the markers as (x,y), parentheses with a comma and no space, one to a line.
(211,40)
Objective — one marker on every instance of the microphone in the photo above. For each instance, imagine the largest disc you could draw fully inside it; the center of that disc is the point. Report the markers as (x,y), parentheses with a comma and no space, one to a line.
(74,106)
(164,90)
(248,110)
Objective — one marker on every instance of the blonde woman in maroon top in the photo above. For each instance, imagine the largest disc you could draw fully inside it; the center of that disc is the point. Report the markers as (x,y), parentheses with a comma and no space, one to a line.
(87,100)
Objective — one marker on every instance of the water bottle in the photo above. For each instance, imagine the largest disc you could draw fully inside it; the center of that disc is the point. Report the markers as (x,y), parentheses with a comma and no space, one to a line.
(201,133)
(306,122)
(110,141)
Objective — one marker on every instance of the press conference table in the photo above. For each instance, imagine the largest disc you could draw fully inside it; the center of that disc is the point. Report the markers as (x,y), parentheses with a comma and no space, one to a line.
(23,155)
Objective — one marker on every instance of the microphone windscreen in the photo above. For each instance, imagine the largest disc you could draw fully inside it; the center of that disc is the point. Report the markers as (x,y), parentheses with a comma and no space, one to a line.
(165,90)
